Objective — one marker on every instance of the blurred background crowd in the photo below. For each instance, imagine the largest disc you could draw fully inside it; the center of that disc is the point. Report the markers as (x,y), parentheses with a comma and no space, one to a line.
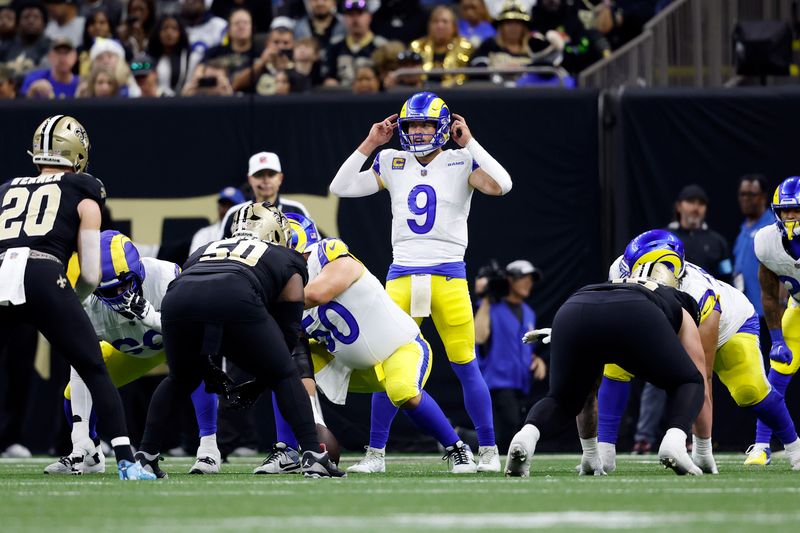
(159,48)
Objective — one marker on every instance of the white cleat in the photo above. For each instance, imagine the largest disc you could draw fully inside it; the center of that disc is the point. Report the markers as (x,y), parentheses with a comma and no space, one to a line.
(520,452)
(460,458)
(67,465)
(96,463)
(672,454)
(488,459)
(608,454)
(16,451)
(207,462)
(374,462)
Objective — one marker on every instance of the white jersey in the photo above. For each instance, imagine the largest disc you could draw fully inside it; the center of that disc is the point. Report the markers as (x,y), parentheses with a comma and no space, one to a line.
(769,249)
(710,293)
(430,205)
(132,337)
(362,326)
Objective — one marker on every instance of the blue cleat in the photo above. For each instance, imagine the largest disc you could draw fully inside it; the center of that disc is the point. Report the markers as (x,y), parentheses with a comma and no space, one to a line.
(133,471)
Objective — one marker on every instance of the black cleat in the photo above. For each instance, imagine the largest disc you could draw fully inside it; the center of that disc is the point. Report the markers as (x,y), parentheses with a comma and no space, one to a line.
(151,465)
(319,465)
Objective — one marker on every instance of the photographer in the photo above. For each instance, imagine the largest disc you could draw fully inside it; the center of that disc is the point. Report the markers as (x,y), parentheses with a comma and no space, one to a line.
(209,79)
(502,318)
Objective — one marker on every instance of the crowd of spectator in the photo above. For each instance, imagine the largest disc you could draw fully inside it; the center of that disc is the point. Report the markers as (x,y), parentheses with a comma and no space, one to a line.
(133,48)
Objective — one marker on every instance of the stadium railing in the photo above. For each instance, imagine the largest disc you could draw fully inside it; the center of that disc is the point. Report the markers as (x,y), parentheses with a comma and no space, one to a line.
(688,44)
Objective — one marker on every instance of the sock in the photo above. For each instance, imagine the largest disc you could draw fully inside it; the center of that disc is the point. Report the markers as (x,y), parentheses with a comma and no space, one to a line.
(675,437)
(205,410)
(380,420)
(68,411)
(773,414)
(80,436)
(792,447)
(122,449)
(295,405)
(612,398)
(316,407)
(477,400)
(430,418)
(779,383)
(589,446)
(208,442)
(529,432)
(701,447)
(282,428)
(93,424)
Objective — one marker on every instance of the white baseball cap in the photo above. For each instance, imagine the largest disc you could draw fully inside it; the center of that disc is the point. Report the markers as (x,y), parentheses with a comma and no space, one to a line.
(264,161)
(521,267)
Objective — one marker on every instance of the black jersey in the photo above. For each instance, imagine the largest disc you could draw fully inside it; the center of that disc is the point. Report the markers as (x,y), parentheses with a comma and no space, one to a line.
(670,301)
(41,213)
(267,266)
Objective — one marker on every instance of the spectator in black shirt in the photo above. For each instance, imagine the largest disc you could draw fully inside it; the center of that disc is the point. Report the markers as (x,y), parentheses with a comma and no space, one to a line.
(238,53)
(276,56)
(30,47)
(583,47)
(355,49)
(259,9)
(8,27)
(140,18)
(401,20)
(322,23)
(704,247)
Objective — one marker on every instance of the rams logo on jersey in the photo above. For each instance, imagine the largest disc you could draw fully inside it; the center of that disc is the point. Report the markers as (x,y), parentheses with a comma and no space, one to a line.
(398,163)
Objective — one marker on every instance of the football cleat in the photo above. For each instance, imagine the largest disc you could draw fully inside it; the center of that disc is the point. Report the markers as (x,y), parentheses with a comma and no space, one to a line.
(758,455)
(460,459)
(151,465)
(319,465)
(281,460)
(134,471)
(672,454)
(94,464)
(69,464)
(520,451)
(488,459)
(208,462)
(374,462)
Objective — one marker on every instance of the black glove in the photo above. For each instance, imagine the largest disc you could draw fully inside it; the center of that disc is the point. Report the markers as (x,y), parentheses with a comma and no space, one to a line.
(245,395)
(217,381)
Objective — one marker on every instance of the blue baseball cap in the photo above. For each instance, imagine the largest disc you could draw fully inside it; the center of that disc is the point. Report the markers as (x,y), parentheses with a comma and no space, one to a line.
(231,194)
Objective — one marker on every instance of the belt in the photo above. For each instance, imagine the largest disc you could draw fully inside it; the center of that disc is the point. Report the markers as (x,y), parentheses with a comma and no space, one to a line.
(38,255)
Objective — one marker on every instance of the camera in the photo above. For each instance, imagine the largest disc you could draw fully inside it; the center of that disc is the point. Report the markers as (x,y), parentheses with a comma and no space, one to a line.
(497,286)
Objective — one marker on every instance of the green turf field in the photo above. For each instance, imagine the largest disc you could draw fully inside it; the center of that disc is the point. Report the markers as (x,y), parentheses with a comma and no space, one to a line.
(417,494)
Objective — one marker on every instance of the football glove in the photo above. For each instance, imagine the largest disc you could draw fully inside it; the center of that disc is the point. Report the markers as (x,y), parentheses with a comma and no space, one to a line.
(217,381)
(780,352)
(533,335)
(135,306)
(245,395)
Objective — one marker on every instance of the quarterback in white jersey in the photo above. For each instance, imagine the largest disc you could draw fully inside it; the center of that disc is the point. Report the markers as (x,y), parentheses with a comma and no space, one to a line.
(431,189)
(366,343)
(729,331)
(124,311)
(778,250)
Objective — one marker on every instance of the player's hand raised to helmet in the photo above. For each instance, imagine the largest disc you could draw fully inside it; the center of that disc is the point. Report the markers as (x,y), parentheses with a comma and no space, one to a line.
(459,131)
(381,132)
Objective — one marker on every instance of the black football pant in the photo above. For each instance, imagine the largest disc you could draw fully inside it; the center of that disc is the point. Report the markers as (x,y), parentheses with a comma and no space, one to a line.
(250,337)
(53,308)
(627,329)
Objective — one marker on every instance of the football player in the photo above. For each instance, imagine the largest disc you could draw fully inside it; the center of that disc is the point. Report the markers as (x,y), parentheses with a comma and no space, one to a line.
(43,220)
(364,343)
(729,331)
(778,250)
(242,297)
(125,313)
(641,322)
(431,190)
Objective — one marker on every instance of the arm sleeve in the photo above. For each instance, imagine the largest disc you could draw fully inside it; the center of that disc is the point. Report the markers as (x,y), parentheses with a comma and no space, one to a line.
(490,165)
(350,182)
(89,263)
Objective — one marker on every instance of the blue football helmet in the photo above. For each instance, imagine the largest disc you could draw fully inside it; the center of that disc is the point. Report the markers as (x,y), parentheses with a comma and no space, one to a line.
(122,270)
(304,232)
(424,107)
(787,196)
(654,246)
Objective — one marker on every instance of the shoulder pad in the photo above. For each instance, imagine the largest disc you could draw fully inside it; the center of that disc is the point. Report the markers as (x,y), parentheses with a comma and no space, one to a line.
(330,249)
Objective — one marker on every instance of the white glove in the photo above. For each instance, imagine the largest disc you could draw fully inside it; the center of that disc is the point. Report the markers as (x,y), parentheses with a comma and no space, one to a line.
(533,335)
(591,465)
